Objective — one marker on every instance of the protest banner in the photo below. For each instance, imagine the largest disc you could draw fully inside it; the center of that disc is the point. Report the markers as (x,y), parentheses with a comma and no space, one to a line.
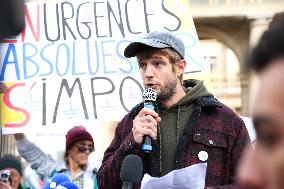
(67,67)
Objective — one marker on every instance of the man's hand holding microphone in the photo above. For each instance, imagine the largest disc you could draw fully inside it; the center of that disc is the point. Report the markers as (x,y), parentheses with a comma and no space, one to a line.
(145,123)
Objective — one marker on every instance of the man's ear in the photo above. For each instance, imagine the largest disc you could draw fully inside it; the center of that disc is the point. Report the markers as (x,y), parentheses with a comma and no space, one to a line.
(181,66)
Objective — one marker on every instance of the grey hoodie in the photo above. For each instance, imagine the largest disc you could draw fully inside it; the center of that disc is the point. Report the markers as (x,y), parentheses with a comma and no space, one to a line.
(173,120)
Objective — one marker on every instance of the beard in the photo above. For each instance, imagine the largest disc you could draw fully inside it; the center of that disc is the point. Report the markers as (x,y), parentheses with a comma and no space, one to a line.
(168,90)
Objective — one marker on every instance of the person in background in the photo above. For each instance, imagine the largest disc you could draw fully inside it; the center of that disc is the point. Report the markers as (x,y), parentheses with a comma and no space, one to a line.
(2,87)
(14,166)
(79,145)
(189,125)
(31,178)
(263,166)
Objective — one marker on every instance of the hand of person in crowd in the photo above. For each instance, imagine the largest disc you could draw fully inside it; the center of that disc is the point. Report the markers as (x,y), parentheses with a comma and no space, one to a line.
(145,123)
(19,136)
(4,185)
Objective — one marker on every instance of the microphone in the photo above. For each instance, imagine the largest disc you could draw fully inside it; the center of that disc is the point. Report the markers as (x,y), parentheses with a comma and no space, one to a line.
(67,185)
(149,98)
(54,181)
(131,171)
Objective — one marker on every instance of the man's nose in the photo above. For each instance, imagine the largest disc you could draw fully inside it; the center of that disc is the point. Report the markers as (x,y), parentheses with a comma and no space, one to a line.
(149,71)
(250,172)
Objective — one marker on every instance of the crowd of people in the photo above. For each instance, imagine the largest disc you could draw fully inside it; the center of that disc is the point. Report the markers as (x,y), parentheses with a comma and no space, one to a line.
(79,145)
(188,126)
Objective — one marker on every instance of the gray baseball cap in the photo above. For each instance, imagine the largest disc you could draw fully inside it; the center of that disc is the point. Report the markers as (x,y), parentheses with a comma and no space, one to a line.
(155,39)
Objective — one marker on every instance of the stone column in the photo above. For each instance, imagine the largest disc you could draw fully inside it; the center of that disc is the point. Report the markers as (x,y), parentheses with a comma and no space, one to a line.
(7,143)
(257,27)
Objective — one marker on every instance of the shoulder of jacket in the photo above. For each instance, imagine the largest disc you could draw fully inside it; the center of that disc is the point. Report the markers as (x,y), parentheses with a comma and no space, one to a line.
(208,101)
(135,110)
(60,167)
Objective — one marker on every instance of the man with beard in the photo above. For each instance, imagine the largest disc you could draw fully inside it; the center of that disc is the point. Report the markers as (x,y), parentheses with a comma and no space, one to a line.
(263,166)
(189,126)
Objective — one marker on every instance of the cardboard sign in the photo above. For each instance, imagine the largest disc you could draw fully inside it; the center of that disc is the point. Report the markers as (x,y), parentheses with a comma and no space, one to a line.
(67,67)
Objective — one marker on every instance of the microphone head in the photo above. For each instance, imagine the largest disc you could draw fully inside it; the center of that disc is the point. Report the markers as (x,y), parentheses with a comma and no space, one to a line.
(67,185)
(54,181)
(149,95)
(132,169)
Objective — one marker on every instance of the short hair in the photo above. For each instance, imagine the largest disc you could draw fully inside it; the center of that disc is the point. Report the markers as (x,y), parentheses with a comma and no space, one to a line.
(173,56)
(277,20)
(270,46)
(170,53)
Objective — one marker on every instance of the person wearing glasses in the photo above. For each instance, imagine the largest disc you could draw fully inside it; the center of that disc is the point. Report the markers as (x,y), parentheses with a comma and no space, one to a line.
(79,145)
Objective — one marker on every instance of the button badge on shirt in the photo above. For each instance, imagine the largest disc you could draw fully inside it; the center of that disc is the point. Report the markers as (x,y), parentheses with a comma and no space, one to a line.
(203,155)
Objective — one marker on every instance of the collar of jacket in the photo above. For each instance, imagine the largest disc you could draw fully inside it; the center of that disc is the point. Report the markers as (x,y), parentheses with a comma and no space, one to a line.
(208,101)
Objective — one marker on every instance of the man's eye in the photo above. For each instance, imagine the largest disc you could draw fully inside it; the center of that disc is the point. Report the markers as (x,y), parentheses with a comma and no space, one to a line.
(158,63)
(141,65)
(268,140)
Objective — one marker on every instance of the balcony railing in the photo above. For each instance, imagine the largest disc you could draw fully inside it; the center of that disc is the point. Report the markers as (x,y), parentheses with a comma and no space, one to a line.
(228,91)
